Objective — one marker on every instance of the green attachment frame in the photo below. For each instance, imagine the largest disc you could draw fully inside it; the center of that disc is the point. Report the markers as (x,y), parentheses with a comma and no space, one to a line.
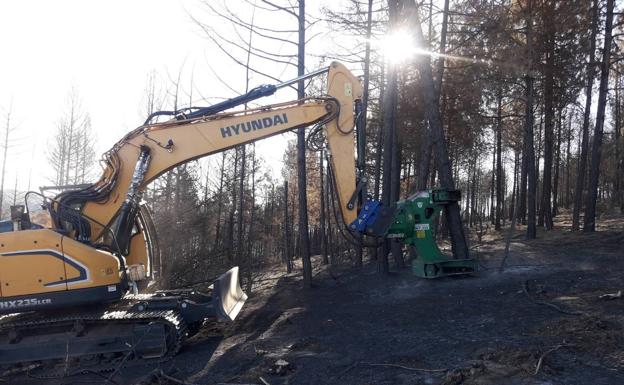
(414,223)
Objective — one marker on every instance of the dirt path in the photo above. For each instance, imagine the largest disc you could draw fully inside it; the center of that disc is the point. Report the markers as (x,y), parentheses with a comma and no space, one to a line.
(356,327)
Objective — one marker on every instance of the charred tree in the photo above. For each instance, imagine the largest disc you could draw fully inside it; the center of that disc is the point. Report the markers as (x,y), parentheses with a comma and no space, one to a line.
(286,253)
(499,161)
(549,119)
(389,134)
(529,149)
(322,220)
(580,178)
(443,163)
(594,171)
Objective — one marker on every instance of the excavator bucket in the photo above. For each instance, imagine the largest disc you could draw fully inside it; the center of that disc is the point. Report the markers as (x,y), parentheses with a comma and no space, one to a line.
(227,296)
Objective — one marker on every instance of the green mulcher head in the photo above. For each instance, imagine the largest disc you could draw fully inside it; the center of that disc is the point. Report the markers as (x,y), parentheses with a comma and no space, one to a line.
(414,223)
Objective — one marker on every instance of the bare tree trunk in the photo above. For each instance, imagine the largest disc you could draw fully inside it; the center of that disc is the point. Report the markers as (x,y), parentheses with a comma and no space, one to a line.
(555,202)
(493,188)
(70,139)
(473,190)
(324,257)
(380,133)
(304,236)
(240,250)
(286,255)
(499,160)
(580,177)
(250,231)
(549,117)
(529,150)
(230,235)
(522,209)
(395,190)
(361,134)
(514,191)
(594,171)
(426,146)
(389,137)
(330,233)
(538,156)
(567,162)
(619,201)
(5,149)
(432,112)
(379,149)
(15,190)
(220,203)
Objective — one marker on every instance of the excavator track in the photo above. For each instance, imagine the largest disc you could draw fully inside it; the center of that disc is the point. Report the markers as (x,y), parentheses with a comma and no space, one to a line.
(139,328)
(96,340)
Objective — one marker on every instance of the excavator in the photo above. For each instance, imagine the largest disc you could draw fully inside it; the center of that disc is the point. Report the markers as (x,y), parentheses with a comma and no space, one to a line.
(72,272)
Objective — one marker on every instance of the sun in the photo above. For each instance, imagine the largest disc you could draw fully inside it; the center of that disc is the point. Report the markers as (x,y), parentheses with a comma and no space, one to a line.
(398,46)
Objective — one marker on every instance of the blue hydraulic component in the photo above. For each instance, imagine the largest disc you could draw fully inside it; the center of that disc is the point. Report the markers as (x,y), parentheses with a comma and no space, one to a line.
(367,216)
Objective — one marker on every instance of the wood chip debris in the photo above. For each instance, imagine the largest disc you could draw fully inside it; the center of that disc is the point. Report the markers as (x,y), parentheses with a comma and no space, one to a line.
(611,295)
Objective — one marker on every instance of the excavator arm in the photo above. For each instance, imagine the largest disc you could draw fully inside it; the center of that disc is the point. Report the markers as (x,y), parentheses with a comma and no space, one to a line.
(149,151)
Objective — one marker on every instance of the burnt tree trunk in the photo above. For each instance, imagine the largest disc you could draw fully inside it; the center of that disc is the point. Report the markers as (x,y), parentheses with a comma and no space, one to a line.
(379,151)
(549,121)
(493,187)
(361,134)
(426,145)
(594,171)
(324,257)
(617,128)
(568,163)
(230,235)
(219,204)
(395,190)
(499,161)
(529,149)
(557,166)
(580,177)
(389,137)
(432,112)
(240,250)
(304,236)
(286,255)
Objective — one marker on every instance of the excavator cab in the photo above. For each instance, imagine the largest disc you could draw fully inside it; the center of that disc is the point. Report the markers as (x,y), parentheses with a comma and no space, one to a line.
(20,220)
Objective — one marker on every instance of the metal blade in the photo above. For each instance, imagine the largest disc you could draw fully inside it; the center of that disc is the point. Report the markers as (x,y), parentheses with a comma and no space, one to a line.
(228,297)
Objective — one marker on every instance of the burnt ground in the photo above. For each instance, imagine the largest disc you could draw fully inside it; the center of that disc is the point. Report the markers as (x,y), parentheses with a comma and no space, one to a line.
(543,313)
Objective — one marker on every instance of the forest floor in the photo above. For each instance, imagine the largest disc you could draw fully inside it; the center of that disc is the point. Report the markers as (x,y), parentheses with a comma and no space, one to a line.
(544,320)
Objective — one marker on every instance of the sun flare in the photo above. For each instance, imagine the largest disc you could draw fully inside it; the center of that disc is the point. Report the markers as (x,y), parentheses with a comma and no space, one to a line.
(398,46)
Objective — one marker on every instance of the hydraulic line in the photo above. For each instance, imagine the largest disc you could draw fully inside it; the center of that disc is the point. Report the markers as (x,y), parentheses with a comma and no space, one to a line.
(349,238)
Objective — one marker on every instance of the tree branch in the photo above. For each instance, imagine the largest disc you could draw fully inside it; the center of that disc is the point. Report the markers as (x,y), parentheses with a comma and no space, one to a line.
(280,8)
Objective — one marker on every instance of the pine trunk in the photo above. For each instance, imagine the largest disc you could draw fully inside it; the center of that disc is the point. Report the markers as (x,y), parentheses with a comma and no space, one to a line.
(594,171)
(443,163)
(529,149)
(304,236)
(580,177)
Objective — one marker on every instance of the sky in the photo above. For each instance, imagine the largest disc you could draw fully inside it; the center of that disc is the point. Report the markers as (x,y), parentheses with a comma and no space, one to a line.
(105,50)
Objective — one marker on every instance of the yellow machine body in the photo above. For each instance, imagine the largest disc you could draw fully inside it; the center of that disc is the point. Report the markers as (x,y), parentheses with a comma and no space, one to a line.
(43,261)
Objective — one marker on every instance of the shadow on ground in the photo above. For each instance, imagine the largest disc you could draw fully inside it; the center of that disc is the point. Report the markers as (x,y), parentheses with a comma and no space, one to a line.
(541,321)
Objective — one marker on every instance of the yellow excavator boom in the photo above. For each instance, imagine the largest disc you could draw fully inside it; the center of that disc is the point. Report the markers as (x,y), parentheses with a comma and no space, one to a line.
(178,141)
